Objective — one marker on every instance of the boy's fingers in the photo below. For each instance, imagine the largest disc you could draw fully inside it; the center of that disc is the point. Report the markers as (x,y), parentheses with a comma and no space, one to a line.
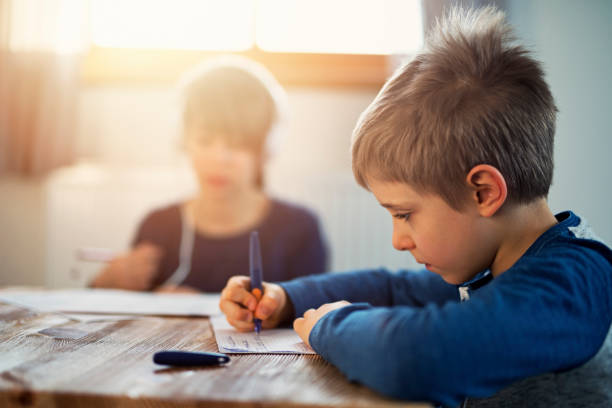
(241,325)
(235,312)
(236,291)
(298,323)
(308,313)
(268,305)
(240,281)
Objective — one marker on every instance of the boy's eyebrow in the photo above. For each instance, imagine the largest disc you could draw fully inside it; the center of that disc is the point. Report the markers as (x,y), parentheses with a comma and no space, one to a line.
(393,206)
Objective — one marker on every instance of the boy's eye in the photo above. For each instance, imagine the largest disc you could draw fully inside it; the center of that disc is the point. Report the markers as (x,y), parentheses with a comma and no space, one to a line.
(402,216)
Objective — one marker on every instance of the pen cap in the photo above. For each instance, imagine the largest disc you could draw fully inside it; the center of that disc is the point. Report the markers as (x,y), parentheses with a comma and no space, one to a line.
(189,358)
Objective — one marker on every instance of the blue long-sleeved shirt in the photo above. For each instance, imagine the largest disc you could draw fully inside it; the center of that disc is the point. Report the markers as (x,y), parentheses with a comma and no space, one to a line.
(409,335)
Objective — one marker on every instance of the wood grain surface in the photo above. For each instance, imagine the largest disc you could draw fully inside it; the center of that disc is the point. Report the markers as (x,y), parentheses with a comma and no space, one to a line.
(49,360)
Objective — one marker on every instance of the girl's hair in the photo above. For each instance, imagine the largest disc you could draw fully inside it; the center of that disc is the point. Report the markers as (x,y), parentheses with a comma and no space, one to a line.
(237,99)
(472,96)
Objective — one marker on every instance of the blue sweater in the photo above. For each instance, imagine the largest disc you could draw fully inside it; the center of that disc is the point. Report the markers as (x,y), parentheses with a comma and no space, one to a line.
(409,335)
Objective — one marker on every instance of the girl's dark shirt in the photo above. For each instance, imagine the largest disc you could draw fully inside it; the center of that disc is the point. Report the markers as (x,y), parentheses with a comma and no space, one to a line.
(291,245)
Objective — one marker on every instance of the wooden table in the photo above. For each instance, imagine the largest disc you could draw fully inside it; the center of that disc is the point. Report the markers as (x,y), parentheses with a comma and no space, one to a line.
(49,360)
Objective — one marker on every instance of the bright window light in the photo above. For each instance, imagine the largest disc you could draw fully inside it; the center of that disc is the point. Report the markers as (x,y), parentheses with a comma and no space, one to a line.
(177,24)
(340,26)
(52,25)
(310,26)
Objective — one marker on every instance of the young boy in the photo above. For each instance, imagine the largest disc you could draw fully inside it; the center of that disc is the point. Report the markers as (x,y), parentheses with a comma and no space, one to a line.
(513,300)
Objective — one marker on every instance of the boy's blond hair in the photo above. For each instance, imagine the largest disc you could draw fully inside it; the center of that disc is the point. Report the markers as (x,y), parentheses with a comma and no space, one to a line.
(234,98)
(472,96)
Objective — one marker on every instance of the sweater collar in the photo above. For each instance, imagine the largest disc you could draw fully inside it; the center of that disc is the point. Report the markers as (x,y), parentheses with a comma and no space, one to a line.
(566,219)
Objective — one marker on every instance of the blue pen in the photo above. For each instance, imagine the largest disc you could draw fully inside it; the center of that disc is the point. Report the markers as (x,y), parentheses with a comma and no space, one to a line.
(256,272)
(189,358)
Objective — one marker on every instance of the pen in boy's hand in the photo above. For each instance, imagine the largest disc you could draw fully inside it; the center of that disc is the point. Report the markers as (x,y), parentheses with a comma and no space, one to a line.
(256,273)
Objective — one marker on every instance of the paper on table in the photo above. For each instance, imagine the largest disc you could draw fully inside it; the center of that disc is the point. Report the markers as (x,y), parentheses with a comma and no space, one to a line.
(114,301)
(268,341)
(99,317)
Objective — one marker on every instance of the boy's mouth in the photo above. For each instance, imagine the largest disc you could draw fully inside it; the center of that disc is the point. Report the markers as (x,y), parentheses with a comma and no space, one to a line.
(427,265)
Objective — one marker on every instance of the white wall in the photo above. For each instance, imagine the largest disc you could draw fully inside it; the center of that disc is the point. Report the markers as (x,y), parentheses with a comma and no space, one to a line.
(22,231)
(572,38)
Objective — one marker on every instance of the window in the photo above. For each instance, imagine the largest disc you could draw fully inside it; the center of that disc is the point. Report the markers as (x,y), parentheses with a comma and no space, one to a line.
(221,25)
(315,42)
(339,26)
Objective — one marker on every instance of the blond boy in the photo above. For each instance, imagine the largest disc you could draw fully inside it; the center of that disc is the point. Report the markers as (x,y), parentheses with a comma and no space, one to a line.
(513,301)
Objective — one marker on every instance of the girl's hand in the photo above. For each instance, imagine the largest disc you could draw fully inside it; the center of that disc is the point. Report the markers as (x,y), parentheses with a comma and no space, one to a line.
(134,270)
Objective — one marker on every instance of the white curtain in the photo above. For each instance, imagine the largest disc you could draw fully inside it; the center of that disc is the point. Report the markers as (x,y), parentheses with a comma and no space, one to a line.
(40,47)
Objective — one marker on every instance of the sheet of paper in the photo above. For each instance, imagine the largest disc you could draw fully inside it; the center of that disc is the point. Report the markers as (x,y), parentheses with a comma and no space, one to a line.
(269,341)
(99,317)
(111,301)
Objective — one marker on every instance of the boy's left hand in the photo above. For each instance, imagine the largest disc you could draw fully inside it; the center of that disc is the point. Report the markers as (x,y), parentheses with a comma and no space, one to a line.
(303,325)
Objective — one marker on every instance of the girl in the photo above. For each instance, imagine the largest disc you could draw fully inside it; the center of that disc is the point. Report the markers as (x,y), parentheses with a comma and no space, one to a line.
(231,111)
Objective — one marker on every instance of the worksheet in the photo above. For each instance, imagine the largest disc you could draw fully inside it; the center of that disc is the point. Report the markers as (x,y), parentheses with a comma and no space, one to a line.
(113,301)
(268,341)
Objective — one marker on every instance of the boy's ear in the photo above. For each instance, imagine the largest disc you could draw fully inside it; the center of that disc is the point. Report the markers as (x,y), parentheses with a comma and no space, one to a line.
(487,188)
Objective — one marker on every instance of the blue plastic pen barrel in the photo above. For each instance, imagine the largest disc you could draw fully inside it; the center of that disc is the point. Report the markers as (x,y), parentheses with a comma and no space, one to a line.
(256,272)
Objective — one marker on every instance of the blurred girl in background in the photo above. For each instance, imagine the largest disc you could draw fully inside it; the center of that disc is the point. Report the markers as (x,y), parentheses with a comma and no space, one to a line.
(232,109)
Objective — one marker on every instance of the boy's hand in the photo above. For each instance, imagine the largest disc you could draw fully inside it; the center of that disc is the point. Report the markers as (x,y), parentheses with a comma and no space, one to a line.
(240,306)
(303,325)
(134,270)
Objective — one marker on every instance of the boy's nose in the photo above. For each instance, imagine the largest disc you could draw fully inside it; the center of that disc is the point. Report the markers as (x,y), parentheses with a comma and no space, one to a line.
(402,241)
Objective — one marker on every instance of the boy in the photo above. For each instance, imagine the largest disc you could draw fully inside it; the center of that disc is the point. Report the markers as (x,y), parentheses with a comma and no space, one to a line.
(514,301)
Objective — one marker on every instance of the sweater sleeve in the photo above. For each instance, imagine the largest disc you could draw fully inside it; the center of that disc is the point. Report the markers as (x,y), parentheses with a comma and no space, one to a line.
(377,287)
(541,318)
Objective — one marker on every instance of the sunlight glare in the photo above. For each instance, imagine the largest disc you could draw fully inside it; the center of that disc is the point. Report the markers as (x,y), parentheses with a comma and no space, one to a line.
(180,24)
(51,26)
(340,26)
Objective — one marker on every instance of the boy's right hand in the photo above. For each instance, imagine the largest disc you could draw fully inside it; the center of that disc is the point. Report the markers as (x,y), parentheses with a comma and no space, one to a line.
(240,306)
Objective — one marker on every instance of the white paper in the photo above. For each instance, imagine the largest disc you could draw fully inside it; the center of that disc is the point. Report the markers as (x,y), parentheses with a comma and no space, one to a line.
(268,341)
(112,301)
(99,317)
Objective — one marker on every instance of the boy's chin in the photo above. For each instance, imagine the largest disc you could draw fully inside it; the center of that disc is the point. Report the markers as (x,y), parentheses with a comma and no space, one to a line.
(452,279)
